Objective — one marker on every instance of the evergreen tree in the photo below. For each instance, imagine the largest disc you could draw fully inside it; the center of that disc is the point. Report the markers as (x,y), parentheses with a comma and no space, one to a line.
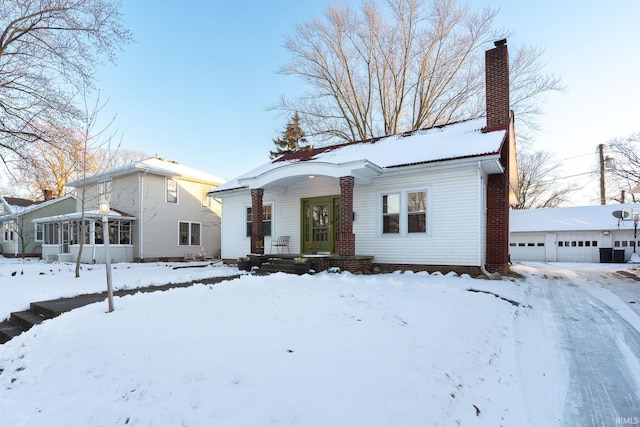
(293,139)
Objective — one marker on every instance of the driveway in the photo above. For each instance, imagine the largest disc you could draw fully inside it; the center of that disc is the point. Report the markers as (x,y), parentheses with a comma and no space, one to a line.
(594,370)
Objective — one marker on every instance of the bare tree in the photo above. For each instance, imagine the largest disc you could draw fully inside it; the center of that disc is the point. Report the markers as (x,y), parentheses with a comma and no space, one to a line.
(539,184)
(47,49)
(407,65)
(626,173)
(50,166)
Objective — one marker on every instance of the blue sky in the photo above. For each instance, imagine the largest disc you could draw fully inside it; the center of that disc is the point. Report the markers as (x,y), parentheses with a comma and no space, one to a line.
(195,85)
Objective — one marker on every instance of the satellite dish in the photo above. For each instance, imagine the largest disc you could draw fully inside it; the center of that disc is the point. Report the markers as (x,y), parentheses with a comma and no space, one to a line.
(620,214)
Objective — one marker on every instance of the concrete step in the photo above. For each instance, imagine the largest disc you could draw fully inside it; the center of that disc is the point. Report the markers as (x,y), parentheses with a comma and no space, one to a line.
(9,330)
(282,265)
(26,319)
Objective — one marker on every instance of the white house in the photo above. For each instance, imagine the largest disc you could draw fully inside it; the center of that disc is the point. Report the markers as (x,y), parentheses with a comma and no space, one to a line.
(433,199)
(159,211)
(603,233)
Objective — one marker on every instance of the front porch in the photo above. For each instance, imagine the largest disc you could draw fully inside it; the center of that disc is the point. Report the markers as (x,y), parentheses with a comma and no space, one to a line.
(272,263)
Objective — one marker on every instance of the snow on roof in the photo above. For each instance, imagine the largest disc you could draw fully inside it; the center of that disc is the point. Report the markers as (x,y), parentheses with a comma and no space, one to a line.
(153,165)
(579,218)
(454,141)
(26,206)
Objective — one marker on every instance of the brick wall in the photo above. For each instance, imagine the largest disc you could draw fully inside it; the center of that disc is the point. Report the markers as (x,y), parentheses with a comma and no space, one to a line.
(497,86)
(498,117)
(256,219)
(346,238)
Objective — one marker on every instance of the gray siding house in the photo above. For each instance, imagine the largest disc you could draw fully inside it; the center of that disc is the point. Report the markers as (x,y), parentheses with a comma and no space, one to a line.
(20,235)
(159,211)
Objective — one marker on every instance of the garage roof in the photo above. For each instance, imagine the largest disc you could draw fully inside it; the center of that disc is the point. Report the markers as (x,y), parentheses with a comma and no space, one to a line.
(578,218)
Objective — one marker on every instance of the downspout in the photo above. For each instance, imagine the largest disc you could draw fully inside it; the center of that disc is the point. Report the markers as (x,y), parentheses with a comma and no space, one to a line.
(141,216)
(483,233)
(481,217)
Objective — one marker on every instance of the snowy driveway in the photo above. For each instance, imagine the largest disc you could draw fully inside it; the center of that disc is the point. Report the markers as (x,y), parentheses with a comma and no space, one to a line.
(594,369)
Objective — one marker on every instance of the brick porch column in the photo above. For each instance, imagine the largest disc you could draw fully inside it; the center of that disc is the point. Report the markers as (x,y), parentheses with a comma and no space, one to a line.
(346,238)
(256,219)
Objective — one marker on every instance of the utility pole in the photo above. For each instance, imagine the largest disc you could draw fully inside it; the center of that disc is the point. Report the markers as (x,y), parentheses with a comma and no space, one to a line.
(603,198)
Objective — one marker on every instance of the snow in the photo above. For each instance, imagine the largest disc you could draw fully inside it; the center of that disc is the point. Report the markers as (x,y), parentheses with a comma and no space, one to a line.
(576,218)
(154,165)
(458,140)
(332,349)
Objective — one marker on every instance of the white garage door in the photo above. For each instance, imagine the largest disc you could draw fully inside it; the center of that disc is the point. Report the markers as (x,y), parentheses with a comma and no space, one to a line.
(527,247)
(578,247)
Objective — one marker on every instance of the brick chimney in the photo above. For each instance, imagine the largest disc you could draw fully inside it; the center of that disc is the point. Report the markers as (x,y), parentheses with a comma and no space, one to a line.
(497,86)
(47,194)
(500,186)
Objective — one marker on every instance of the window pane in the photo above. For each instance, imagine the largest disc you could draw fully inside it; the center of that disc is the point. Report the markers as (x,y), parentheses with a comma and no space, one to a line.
(391,204)
(391,224)
(417,201)
(184,233)
(266,213)
(125,233)
(417,223)
(195,234)
(172,191)
(266,228)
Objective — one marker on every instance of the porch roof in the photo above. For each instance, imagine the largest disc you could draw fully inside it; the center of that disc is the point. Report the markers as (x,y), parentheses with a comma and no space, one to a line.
(113,215)
(366,159)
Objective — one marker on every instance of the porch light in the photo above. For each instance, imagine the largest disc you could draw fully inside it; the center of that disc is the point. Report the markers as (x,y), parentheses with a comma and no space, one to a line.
(104,207)
(104,210)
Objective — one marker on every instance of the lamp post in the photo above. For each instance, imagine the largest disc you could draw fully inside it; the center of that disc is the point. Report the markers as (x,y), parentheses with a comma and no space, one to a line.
(104,210)
(636,219)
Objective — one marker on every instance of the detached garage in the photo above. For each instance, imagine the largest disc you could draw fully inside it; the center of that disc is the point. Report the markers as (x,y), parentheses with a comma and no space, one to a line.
(603,233)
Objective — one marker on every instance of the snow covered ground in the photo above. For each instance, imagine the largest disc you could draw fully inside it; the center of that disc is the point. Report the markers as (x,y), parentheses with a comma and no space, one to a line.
(331,349)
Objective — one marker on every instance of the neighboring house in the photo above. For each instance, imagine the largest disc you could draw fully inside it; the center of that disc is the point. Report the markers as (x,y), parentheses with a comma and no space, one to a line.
(159,211)
(20,236)
(434,199)
(602,233)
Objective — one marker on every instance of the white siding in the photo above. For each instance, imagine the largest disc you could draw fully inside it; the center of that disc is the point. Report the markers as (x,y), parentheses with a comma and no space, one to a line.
(455,217)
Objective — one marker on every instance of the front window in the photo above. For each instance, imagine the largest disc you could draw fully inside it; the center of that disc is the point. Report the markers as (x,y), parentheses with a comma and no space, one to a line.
(405,212)
(189,233)
(266,220)
(172,190)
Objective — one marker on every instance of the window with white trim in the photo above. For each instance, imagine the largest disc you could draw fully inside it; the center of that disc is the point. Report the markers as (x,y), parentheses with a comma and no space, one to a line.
(104,190)
(171,190)
(266,220)
(405,212)
(39,231)
(189,233)
(9,231)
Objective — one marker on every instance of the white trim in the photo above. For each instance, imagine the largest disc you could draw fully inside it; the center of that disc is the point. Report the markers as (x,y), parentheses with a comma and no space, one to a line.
(189,235)
(404,213)
(244,219)
(166,191)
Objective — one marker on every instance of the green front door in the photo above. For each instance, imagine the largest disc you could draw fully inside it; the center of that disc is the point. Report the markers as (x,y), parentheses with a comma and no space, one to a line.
(320,223)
